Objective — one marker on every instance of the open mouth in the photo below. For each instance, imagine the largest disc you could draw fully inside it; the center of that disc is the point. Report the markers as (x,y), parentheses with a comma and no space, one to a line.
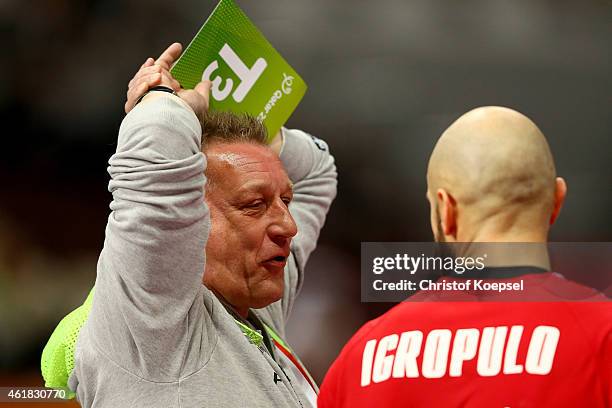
(277,261)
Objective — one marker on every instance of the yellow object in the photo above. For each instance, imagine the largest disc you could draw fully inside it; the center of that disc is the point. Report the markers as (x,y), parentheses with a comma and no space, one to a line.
(57,360)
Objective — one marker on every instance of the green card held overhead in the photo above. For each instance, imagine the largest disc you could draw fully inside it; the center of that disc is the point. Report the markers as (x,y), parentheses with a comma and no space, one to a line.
(247,73)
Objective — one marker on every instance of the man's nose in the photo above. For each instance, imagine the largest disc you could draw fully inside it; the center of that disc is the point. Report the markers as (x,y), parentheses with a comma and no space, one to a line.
(283,226)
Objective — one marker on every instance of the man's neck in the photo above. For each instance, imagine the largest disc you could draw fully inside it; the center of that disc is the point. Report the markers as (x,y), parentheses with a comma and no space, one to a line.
(508,253)
(494,235)
(242,312)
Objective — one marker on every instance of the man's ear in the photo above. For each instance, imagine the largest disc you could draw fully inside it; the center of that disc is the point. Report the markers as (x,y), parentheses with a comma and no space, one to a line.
(560,193)
(448,212)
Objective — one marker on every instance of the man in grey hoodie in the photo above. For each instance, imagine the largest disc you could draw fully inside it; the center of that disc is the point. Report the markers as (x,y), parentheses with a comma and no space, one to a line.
(203,257)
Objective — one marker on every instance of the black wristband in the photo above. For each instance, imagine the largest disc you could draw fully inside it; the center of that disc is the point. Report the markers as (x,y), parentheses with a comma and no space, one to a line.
(159,88)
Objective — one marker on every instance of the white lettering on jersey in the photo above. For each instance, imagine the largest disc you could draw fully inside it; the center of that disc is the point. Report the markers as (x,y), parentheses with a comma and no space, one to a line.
(435,355)
(464,348)
(366,362)
(494,347)
(491,349)
(510,366)
(542,348)
(383,363)
(406,355)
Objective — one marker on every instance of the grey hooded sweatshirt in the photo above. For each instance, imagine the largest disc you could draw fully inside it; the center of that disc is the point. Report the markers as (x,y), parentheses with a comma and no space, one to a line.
(156,336)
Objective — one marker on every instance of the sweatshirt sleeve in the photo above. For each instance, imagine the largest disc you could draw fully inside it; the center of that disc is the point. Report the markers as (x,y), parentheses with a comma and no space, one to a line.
(312,170)
(151,267)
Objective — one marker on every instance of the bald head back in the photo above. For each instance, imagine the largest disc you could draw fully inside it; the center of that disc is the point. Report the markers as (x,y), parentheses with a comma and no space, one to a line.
(494,161)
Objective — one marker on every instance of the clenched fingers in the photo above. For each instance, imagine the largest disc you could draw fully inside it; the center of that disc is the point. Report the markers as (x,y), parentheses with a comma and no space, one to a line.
(148,78)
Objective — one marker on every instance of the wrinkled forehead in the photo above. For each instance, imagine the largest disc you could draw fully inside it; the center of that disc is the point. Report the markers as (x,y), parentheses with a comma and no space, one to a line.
(245,166)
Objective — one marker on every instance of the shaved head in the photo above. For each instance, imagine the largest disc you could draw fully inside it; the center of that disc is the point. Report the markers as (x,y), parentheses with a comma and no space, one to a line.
(494,166)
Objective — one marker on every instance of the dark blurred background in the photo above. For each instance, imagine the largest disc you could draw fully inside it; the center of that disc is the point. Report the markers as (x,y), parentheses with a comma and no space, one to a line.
(385,79)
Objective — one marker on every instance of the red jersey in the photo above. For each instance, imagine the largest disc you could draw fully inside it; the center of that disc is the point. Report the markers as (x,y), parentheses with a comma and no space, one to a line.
(481,354)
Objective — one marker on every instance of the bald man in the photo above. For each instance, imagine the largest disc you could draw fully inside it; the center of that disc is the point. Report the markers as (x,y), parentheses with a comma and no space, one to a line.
(491,179)
(494,167)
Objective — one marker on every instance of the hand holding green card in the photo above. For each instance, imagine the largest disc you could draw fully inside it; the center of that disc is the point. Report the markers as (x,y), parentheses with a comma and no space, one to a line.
(247,73)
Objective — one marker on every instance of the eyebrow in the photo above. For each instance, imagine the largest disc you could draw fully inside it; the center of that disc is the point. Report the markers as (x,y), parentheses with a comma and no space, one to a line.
(260,185)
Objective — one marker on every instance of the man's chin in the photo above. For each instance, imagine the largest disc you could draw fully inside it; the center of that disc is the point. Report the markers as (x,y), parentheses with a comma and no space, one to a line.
(270,291)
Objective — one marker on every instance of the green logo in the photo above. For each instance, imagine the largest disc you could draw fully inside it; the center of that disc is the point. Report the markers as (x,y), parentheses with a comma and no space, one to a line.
(247,73)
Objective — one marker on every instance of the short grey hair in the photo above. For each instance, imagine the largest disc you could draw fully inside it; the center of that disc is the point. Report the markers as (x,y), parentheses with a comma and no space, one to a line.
(228,127)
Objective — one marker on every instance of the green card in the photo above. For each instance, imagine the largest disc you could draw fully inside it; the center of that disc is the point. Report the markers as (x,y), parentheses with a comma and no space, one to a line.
(247,73)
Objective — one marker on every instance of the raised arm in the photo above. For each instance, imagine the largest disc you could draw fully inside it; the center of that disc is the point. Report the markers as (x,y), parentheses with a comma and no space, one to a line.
(151,267)
(311,168)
